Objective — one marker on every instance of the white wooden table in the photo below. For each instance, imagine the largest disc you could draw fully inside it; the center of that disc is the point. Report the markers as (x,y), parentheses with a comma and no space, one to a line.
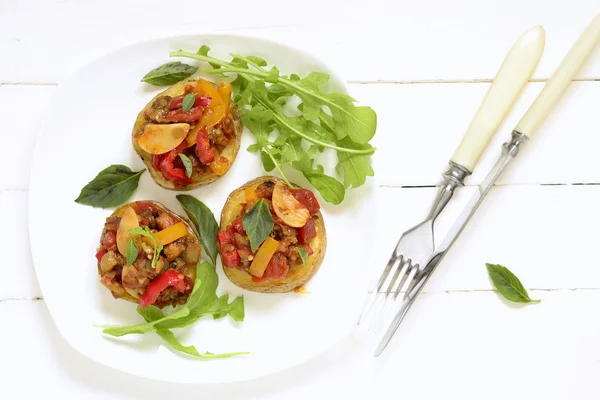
(424,67)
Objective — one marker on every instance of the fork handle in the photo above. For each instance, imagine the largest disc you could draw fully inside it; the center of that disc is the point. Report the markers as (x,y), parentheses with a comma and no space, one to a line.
(515,71)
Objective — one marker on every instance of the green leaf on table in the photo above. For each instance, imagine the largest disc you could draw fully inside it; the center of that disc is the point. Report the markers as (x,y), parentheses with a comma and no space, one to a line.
(116,330)
(132,252)
(204,221)
(267,162)
(258,224)
(112,187)
(188,102)
(169,74)
(508,285)
(187,164)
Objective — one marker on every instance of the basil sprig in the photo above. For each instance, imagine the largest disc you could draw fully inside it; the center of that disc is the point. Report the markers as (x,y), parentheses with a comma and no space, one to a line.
(258,224)
(169,74)
(110,188)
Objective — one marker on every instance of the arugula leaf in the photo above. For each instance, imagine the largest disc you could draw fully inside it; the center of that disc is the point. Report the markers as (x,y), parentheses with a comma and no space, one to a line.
(204,221)
(110,188)
(132,252)
(508,285)
(258,224)
(151,314)
(329,121)
(187,163)
(330,188)
(303,254)
(169,73)
(188,102)
(115,330)
(145,231)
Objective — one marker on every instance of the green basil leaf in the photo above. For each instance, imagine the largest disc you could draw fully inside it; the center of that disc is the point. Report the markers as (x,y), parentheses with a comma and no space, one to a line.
(188,102)
(132,252)
(303,254)
(258,224)
(145,231)
(330,188)
(205,223)
(187,163)
(110,188)
(169,74)
(508,285)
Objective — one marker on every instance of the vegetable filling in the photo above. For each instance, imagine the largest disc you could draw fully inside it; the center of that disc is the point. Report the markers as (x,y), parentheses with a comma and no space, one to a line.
(292,213)
(147,255)
(188,135)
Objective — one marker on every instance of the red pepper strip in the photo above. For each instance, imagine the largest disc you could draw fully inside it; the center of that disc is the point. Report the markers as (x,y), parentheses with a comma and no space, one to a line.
(168,170)
(203,150)
(276,269)
(163,281)
(193,115)
(176,103)
(101,254)
(156,159)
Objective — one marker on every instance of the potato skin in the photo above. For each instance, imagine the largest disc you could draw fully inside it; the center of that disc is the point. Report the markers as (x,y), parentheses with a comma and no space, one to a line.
(191,233)
(296,276)
(209,177)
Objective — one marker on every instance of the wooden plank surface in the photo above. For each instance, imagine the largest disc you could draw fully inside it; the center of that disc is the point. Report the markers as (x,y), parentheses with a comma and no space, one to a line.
(424,67)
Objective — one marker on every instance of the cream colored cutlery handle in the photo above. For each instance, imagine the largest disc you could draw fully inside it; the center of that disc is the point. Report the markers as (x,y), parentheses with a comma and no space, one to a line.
(559,81)
(515,71)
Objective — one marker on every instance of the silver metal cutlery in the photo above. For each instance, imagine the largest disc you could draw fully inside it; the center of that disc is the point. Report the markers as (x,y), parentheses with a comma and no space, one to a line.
(525,129)
(416,245)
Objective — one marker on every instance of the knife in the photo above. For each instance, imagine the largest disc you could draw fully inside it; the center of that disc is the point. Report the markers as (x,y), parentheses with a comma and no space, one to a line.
(525,129)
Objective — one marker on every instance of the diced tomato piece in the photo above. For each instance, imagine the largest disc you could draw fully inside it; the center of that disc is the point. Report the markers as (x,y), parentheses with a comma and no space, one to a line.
(144,206)
(308,249)
(202,101)
(307,198)
(238,225)
(231,259)
(110,240)
(100,253)
(176,103)
(223,238)
(203,149)
(276,269)
(307,232)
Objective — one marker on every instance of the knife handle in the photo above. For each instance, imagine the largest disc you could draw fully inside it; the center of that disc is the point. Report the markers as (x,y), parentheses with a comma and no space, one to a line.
(515,71)
(559,81)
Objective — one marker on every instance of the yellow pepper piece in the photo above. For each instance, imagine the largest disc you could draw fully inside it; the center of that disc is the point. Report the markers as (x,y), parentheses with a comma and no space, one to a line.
(171,233)
(251,196)
(216,108)
(225,92)
(220,165)
(263,256)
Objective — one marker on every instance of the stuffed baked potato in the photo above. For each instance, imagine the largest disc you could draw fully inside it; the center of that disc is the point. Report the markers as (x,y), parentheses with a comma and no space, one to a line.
(293,251)
(165,278)
(197,119)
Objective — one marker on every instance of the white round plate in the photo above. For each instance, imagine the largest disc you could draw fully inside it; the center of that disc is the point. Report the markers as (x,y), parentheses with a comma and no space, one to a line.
(88,128)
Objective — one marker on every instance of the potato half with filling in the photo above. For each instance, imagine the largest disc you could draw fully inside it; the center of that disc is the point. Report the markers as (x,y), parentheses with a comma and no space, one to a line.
(195,118)
(167,281)
(277,265)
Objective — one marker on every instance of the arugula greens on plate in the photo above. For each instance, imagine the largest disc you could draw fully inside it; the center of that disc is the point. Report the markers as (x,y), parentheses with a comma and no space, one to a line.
(328,121)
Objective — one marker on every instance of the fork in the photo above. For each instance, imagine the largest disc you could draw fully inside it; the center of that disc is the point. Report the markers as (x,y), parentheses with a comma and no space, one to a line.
(416,246)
